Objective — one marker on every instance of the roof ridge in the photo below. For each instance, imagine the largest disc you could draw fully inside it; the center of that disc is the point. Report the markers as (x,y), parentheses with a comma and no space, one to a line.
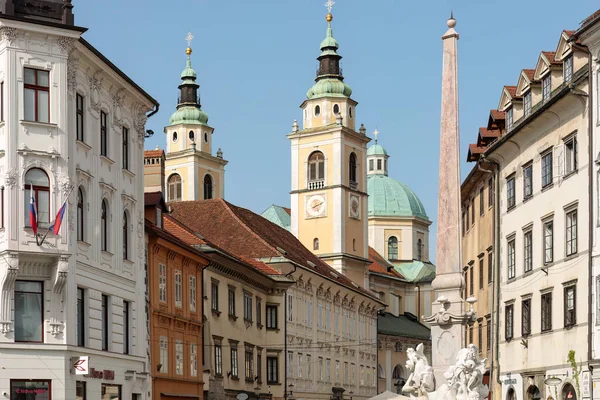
(183,227)
(256,235)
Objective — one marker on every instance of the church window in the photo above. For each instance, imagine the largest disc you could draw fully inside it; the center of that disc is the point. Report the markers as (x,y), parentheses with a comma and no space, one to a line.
(104,226)
(208,187)
(393,248)
(379,165)
(371,165)
(385,165)
(205,137)
(352,169)
(316,167)
(80,222)
(191,135)
(350,111)
(419,249)
(336,109)
(125,235)
(125,154)
(174,136)
(174,186)
(80,114)
(316,244)
(317,110)
(103,135)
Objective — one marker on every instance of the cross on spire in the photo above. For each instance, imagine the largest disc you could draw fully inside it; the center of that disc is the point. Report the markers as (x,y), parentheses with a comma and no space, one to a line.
(329,5)
(376,133)
(189,39)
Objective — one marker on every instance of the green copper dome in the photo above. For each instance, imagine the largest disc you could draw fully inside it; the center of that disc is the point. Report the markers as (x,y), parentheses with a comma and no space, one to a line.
(376,150)
(329,40)
(189,115)
(188,72)
(390,198)
(331,87)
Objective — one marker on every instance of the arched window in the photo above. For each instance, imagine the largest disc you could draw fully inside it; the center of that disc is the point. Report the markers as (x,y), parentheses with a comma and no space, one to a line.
(174,136)
(533,393)
(352,169)
(174,187)
(191,135)
(568,392)
(125,235)
(80,220)
(380,372)
(208,187)
(510,394)
(316,244)
(104,226)
(353,244)
(419,250)
(336,109)
(316,167)
(392,248)
(37,189)
(317,110)
(397,373)
(398,347)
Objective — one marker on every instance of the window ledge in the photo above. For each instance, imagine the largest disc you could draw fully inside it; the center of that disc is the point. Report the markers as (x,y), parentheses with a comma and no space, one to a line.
(571,256)
(570,326)
(128,172)
(106,160)
(511,280)
(509,209)
(235,378)
(570,174)
(273,329)
(83,144)
(548,187)
(259,326)
(107,253)
(527,273)
(83,243)
(129,262)
(40,124)
(216,313)
(233,317)
(527,198)
(546,332)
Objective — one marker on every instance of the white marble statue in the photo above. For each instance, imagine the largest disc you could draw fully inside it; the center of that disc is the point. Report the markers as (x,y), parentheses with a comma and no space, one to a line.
(464,379)
(420,380)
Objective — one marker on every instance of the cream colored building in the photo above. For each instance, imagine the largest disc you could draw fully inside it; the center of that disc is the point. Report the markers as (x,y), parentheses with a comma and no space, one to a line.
(542,174)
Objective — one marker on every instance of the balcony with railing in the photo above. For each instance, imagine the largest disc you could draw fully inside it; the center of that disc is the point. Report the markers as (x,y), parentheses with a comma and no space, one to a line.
(353,185)
(316,184)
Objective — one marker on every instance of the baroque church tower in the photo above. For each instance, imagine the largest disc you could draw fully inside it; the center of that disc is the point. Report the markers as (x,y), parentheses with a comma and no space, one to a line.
(192,172)
(329,177)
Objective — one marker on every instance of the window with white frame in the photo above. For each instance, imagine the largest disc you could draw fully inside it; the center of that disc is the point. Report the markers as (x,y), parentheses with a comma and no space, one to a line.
(527,252)
(511,258)
(308,312)
(509,119)
(80,215)
(568,68)
(178,289)
(308,366)
(328,370)
(546,306)
(233,351)
(299,367)
(218,358)
(247,306)
(337,371)
(192,293)
(290,304)
(546,87)
(179,357)
(214,296)
(571,233)
(528,181)
(193,359)
(508,321)
(548,241)
(36,95)
(570,305)
(80,118)
(510,192)
(527,103)
(320,372)
(290,364)
(570,154)
(164,354)
(547,169)
(249,364)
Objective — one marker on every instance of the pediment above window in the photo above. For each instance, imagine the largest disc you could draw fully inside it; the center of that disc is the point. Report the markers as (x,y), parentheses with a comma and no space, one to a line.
(525,80)
(509,94)
(564,48)
(546,60)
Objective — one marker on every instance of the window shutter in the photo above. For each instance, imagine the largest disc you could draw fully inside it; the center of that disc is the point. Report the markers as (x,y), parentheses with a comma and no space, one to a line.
(558,164)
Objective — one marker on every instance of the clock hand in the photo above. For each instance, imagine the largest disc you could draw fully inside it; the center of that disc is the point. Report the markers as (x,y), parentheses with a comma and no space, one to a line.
(317,205)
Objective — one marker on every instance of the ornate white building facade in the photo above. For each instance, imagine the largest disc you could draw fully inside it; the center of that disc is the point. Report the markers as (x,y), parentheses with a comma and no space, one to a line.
(71,129)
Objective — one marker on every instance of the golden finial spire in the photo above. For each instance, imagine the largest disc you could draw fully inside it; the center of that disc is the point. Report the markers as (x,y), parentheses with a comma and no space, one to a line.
(329,6)
(189,39)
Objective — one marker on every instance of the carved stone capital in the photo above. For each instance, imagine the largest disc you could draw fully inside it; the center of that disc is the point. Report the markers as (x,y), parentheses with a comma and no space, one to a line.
(9,268)
(10,178)
(9,34)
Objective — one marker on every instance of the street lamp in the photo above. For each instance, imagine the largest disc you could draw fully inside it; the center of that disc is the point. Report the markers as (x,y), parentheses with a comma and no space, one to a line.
(351,393)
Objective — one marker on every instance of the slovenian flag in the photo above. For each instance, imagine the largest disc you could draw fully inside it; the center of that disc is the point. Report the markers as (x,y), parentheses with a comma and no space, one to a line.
(55,227)
(33,215)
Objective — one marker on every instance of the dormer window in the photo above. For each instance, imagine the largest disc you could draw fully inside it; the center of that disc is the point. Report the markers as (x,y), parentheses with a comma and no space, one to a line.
(568,68)
(546,87)
(509,119)
(527,103)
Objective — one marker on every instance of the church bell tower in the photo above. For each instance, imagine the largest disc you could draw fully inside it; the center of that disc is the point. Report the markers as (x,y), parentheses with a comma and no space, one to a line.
(329,178)
(192,172)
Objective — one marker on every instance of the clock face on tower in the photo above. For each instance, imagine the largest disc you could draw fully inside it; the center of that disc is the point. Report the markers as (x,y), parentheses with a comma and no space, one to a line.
(354,206)
(316,206)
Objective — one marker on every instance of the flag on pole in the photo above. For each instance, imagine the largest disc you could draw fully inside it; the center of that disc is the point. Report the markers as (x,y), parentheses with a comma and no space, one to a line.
(33,215)
(55,227)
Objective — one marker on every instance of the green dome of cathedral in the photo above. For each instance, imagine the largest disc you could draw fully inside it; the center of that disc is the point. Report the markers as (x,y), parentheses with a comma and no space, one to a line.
(189,115)
(329,87)
(390,198)
(188,72)
(376,150)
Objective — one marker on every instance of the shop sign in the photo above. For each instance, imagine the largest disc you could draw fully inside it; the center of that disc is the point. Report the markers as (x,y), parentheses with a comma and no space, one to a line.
(81,365)
(585,384)
(105,374)
(510,381)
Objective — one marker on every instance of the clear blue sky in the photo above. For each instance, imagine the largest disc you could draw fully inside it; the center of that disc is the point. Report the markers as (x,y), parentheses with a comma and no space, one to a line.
(256,59)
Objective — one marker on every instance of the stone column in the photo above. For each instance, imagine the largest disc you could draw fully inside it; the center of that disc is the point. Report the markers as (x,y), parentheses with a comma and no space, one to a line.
(447,322)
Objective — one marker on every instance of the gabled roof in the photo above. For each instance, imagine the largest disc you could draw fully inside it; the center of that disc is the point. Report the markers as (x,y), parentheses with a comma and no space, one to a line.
(509,94)
(279,216)
(496,119)
(155,199)
(585,25)
(245,234)
(474,152)
(382,266)
(546,60)
(406,325)
(417,271)
(525,80)
(486,135)
(564,47)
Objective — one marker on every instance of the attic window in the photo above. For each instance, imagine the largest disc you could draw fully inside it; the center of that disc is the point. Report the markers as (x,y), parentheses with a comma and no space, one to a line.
(509,119)
(568,68)
(546,87)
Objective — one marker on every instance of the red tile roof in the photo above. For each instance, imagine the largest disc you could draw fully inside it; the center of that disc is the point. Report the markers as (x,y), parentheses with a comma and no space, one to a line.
(512,91)
(497,114)
(551,57)
(153,153)
(153,199)
(382,266)
(529,73)
(149,226)
(245,234)
(489,133)
(568,32)
(591,17)
(287,210)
